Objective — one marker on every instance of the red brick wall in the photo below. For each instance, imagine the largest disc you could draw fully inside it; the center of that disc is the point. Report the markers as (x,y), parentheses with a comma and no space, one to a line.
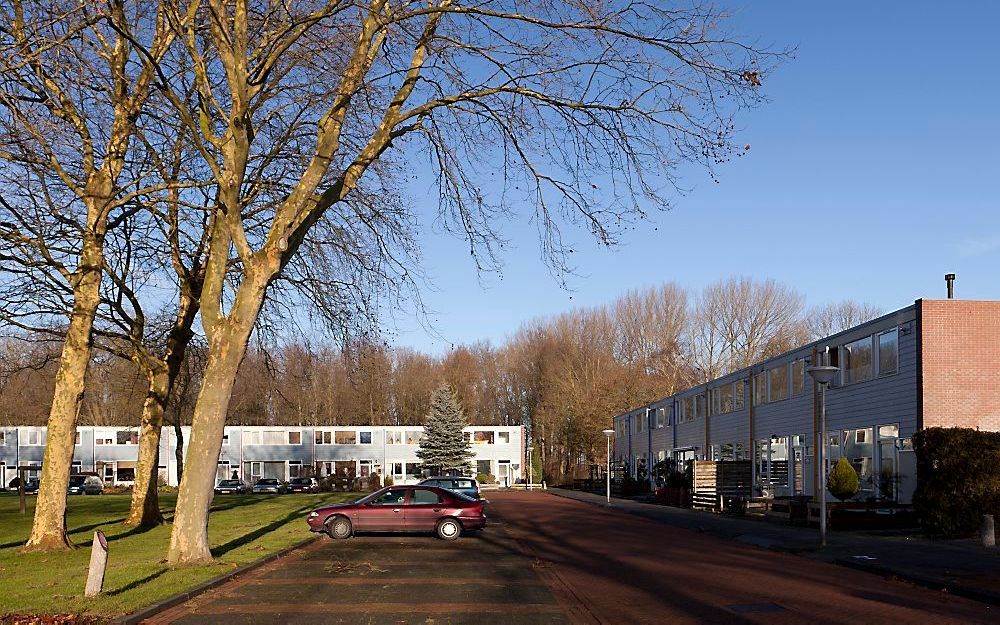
(961,363)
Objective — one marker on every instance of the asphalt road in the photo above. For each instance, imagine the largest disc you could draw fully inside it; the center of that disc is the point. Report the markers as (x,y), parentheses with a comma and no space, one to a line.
(547,559)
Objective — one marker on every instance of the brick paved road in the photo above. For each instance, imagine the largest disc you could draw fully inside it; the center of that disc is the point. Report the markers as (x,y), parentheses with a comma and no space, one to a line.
(553,560)
(626,569)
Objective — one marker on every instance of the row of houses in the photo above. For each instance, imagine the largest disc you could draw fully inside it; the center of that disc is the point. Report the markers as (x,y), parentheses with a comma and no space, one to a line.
(281,452)
(935,363)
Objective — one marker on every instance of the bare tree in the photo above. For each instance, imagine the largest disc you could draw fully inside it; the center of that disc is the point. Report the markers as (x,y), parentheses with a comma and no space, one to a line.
(72,89)
(822,321)
(740,321)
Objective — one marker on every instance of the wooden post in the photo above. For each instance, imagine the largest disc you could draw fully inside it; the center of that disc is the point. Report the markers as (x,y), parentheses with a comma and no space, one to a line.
(98,564)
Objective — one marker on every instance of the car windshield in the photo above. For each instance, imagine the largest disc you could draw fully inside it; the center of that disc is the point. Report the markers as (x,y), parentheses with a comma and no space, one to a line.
(267,482)
(77,480)
(229,483)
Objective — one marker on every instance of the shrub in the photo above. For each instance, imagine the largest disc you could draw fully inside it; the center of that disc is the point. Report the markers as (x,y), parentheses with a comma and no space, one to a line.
(374,482)
(388,481)
(486,478)
(958,479)
(843,482)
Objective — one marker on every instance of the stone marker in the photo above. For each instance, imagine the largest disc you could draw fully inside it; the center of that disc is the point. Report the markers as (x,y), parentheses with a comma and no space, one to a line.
(98,564)
(986,533)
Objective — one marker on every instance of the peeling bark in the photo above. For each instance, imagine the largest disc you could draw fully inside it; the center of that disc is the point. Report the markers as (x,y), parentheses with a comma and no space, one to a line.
(145,508)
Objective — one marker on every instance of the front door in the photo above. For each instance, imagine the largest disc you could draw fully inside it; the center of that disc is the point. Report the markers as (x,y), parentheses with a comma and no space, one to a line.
(503,472)
(422,510)
(382,514)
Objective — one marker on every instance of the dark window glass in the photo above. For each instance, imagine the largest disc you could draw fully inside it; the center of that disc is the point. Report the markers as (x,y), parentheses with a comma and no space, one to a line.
(423,495)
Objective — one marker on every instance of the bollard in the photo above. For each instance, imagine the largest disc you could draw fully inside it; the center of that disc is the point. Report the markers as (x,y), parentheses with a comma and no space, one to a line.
(98,564)
(986,533)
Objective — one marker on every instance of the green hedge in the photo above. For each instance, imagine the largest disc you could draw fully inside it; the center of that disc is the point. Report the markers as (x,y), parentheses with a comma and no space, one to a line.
(958,479)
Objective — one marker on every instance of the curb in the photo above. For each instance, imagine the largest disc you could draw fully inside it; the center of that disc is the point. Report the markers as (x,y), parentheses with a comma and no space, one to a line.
(170,602)
(959,590)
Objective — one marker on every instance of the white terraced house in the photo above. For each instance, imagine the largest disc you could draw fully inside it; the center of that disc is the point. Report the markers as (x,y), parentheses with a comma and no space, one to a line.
(282,452)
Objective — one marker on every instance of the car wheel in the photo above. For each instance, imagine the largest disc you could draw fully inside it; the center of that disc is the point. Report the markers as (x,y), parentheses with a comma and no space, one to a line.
(449,529)
(339,527)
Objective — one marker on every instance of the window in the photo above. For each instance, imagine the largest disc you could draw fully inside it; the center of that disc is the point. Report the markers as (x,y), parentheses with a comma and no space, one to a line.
(126,437)
(660,417)
(726,398)
(295,438)
(638,419)
(484,466)
(394,497)
(687,409)
(397,470)
(273,437)
(860,436)
(482,437)
(739,395)
(324,437)
(412,469)
(888,352)
(759,389)
(225,439)
(345,437)
(413,437)
(393,438)
(699,403)
(35,438)
(858,361)
(798,377)
(3,438)
(103,441)
(365,438)
(890,430)
(423,496)
(251,437)
(778,377)
(125,474)
(504,438)
(714,401)
(295,468)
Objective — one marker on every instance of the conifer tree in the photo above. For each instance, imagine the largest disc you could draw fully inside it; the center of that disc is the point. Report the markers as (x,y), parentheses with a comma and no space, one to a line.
(444,446)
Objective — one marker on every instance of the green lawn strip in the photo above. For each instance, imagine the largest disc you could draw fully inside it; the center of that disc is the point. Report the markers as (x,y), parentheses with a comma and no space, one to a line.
(242,529)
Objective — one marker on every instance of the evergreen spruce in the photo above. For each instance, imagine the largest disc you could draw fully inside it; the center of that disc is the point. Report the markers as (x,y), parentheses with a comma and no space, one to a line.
(444,446)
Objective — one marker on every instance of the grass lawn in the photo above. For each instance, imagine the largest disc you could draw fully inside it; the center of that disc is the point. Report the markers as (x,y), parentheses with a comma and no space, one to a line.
(242,529)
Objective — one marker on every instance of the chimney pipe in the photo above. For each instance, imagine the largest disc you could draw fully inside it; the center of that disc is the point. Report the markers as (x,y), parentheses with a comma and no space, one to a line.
(949,278)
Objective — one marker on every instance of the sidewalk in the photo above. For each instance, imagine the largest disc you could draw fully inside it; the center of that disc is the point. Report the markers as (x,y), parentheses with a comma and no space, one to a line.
(962,567)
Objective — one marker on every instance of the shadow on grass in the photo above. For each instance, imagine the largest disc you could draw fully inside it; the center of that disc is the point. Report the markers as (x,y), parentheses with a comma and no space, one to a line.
(259,532)
(136,583)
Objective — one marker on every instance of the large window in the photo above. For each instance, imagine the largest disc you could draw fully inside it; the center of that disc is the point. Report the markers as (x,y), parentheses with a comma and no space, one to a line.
(726,398)
(699,402)
(413,469)
(394,438)
(778,377)
(413,437)
(798,377)
(295,437)
(484,466)
(323,437)
(759,389)
(126,437)
(345,437)
(482,437)
(739,395)
(858,361)
(638,419)
(274,437)
(687,409)
(34,438)
(888,352)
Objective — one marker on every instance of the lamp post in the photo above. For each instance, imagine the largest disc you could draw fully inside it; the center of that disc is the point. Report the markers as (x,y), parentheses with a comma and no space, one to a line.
(531,466)
(822,375)
(609,434)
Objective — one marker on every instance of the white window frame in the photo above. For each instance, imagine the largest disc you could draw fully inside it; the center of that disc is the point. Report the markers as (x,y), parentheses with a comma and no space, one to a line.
(503,435)
(371,437)
(289,436)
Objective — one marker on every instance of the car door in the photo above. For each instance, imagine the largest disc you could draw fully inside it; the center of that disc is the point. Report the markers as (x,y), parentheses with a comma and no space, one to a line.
(423,509)
(384,513)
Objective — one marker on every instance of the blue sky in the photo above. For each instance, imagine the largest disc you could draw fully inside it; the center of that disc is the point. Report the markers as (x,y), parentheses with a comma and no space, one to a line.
(872,172)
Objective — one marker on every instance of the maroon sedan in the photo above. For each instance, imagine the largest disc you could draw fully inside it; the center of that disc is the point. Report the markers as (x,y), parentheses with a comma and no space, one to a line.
(401,509)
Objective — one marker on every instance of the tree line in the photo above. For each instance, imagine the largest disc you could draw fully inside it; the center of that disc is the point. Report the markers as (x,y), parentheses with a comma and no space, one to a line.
(563,378)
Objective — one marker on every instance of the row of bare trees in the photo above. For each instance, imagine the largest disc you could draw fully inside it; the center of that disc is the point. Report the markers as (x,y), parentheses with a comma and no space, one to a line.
(236,162)
(563,378)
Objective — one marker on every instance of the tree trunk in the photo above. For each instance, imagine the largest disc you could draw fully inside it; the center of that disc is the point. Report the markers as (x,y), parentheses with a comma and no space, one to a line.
(48,531)
(145,509)
(227,346)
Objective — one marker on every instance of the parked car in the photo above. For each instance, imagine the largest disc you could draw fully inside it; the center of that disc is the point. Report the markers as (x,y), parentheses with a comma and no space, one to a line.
(269,485)
(232,487)
(464,485)
(85,485)
(402,509)
(31,486)
(303,485)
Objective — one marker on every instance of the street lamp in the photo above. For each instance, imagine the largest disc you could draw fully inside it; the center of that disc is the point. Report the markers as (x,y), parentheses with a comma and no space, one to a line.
(610,434)
(531,466)
(822,375)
